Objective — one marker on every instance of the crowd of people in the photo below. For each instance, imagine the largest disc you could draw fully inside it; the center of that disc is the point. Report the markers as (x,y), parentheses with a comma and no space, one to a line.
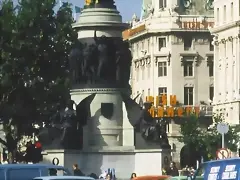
(172,170)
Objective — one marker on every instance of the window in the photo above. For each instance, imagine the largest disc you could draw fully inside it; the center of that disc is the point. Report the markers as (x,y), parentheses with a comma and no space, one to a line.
(143,94)
(162,69)
(188,95)
(210,66)
(232,9)
(148,71)
(224,13)
(143,45)
(148,45)
(162,4)
(137,49)
(188,43)
(188,68)
(162,90)
(161,43)
(143,73)
(211,46)
(224,49)
(211,93)
(137,74)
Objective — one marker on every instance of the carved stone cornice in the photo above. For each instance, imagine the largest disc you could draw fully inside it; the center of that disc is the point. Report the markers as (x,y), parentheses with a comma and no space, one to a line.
(223,41)
(142,61)
(230,38)
(97,90)
(194,55)
(167,56)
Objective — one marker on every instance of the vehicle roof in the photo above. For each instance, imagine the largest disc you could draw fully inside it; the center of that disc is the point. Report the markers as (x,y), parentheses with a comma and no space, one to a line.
(223,160)
(153,177)
(64,177)
(30,166)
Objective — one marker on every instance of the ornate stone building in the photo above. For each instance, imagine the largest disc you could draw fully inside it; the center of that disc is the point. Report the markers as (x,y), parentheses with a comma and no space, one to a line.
(173,55)
(226,59)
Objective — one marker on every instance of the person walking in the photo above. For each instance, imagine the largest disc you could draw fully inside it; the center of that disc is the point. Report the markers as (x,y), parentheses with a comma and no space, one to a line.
(77,171)
(172,170)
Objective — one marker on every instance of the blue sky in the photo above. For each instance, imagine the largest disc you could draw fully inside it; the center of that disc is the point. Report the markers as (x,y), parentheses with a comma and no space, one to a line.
(126,7)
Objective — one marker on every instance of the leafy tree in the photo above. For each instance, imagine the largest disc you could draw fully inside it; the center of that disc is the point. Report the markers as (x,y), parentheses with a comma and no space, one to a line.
(35,46)
(206,139)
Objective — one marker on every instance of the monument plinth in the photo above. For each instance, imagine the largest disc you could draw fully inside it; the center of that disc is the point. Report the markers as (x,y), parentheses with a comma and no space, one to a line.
(103,69)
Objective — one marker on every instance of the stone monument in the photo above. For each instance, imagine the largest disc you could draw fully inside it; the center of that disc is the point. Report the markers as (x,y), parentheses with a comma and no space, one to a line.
(101,92)
(103,70)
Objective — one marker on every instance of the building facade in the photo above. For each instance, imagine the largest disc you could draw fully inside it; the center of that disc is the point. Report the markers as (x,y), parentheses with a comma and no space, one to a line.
(173,55)
(226,59)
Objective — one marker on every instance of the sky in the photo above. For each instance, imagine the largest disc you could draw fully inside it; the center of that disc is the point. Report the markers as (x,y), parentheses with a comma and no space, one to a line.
(126,7)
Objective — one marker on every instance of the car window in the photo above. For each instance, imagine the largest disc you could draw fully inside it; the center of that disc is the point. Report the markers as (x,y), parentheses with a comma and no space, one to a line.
(23,173)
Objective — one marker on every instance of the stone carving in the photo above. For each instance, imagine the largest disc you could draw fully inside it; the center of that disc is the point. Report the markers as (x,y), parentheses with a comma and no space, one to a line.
(187,3)
(209,5)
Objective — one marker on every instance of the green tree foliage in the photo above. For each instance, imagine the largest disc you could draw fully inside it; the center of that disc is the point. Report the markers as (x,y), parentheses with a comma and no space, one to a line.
(34,52)
(206,139)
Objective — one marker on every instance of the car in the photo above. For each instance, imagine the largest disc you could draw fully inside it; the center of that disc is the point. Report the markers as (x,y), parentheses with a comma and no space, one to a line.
(64,178)
(30,171)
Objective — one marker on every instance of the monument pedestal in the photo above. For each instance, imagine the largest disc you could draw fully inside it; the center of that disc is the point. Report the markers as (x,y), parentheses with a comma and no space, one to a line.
(106,126)
(124,160)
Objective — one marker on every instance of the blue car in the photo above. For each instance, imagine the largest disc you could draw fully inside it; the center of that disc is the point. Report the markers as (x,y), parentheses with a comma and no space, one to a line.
(30,171)
(63,178)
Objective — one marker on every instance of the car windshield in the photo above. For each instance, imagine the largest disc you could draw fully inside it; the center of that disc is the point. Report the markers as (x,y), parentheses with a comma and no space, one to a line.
(58,172)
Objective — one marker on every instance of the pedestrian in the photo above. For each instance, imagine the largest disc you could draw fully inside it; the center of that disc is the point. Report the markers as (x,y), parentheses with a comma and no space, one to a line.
(77,171)
(108,177)
(172,170)
(133,175)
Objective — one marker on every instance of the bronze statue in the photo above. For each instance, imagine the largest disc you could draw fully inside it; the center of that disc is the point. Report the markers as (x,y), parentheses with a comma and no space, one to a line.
(123,60)
(89,66)
(106,54)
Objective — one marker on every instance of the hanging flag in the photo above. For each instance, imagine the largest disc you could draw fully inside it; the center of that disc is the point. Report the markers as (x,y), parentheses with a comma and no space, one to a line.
(77,9)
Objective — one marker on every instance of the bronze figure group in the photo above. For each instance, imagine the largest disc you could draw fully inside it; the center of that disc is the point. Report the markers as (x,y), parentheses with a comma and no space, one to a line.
(106,61)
